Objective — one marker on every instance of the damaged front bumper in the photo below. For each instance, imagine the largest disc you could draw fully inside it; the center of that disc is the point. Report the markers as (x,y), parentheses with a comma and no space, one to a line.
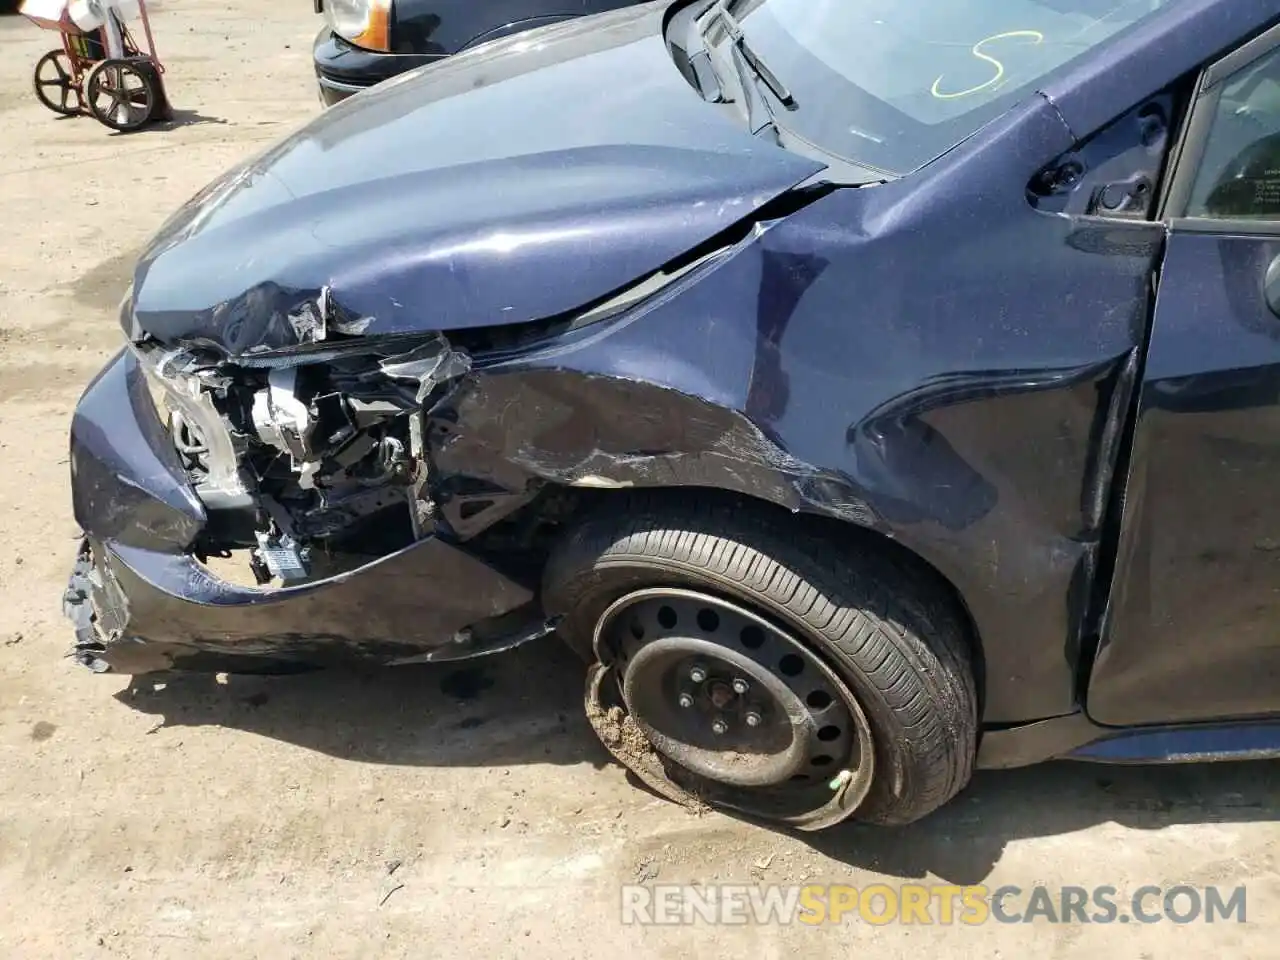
(143,600)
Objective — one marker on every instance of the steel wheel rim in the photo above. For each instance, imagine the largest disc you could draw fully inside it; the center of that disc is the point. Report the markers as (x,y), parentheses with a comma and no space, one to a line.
(127,106)
(61,81)
(686,658)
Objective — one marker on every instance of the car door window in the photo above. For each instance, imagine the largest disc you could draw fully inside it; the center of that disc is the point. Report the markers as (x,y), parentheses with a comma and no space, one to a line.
(1239,173)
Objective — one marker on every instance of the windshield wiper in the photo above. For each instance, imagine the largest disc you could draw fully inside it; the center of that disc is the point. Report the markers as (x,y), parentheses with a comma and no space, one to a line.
(720,26)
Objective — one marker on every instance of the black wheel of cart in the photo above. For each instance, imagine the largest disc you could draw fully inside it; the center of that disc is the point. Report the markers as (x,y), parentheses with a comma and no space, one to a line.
(55,86)
(121,94)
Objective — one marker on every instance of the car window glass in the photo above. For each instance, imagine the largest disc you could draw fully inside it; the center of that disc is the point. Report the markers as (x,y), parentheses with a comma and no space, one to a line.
(892,84)
(1239,175)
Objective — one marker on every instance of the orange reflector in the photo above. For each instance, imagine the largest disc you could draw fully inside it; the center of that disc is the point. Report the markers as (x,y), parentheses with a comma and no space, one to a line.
(377,35)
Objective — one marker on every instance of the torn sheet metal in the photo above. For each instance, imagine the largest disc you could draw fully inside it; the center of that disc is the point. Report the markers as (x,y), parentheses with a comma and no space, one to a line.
(309,319)
(315,319)
(429,366)
(598,432)
(863,359)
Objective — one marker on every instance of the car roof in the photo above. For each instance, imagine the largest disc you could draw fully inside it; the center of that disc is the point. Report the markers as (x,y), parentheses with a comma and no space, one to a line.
(1176,40)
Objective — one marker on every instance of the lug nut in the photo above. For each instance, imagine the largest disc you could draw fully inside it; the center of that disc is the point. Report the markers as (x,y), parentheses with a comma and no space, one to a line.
(740,687)
(719,726)
(753,719)
(697,674)
(686,701)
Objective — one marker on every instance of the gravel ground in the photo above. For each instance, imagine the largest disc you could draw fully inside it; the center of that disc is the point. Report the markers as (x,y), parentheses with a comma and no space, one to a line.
(421,811)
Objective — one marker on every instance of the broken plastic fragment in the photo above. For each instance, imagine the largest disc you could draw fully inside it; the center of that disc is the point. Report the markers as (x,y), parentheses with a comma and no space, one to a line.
(307,325)
(309,319)
(350,327)
(430,365)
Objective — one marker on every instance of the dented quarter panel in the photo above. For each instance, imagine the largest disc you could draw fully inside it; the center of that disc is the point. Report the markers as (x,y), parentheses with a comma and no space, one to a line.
(405,216)
(868,359)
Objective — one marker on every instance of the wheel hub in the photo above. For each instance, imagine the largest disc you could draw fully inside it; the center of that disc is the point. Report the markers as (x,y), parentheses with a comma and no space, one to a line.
(736,701)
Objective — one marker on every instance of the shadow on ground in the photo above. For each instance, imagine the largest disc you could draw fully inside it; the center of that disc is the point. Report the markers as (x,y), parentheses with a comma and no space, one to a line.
(525,707)
(517,708)
(184,118)
(179,118)
(963,841)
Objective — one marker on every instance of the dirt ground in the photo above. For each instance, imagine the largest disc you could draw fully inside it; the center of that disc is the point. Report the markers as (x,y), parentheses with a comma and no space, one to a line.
(422,811)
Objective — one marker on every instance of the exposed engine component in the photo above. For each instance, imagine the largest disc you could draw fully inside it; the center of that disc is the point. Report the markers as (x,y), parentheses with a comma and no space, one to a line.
(279,417)
(282,557)
(315,451)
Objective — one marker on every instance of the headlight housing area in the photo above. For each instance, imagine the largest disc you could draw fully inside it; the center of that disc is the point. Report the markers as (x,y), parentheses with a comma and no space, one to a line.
(184,402)
(366,23)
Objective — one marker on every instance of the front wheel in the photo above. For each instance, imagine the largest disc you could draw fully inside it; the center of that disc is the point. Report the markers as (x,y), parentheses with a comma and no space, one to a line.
(743,660)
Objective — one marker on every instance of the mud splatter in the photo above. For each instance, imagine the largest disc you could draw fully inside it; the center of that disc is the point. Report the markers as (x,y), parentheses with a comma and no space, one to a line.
(628,744)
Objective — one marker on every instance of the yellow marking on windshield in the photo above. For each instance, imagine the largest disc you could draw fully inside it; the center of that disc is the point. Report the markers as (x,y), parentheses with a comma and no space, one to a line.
(1034,35)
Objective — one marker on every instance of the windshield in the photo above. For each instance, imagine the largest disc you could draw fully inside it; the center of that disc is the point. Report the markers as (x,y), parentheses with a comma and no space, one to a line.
(892,84)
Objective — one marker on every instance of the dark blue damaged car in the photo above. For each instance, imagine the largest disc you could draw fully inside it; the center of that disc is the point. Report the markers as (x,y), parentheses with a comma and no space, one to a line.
(869,392)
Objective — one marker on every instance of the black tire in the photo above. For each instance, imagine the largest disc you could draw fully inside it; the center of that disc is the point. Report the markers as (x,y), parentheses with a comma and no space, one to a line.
(891,632)
(122,94)
(54,85)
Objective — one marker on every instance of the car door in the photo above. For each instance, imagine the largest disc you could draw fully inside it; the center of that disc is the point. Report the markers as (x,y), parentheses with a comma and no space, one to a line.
(1192,630)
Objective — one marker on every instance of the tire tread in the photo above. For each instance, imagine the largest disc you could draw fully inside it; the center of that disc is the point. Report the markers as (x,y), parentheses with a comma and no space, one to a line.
(886,626)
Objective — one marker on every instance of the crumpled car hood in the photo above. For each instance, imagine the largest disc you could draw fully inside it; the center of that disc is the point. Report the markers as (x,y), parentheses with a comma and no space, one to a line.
(512,183)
